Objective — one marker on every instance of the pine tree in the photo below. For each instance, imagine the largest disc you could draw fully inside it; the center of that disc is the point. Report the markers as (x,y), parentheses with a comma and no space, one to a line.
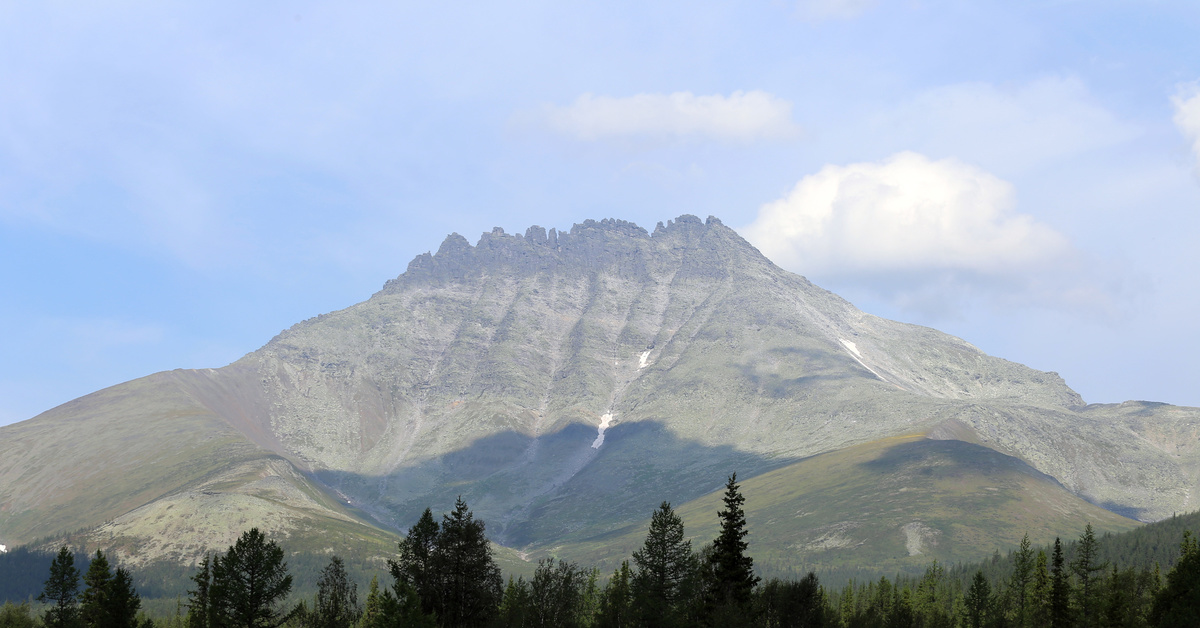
(61,591)
(248,584)
(472,586)
(663,563)
(337,597)
(733,570)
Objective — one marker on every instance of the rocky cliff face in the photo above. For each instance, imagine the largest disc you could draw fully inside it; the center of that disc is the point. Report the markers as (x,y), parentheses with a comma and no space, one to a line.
(566,383)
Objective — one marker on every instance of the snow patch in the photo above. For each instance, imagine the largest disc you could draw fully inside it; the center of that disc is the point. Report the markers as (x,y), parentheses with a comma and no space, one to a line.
(642,363)
(853,349)
(605,421)
(3,549)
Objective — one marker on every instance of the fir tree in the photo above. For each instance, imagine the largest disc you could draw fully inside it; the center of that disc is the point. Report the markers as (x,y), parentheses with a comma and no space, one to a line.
(733,570)
(61,592)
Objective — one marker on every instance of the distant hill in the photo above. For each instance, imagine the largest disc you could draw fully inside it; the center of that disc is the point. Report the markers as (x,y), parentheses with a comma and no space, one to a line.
(565,383)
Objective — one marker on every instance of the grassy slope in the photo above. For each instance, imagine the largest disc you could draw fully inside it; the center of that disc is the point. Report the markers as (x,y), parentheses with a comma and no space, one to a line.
(885,506)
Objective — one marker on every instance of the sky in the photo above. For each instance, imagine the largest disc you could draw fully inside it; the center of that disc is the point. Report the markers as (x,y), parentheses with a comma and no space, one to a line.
(179,182)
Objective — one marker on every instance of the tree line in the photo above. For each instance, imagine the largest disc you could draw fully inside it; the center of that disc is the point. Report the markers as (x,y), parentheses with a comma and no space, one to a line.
(444,575)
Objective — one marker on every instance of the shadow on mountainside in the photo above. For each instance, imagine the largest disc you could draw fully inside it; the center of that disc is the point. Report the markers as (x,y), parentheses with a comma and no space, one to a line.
(535,491)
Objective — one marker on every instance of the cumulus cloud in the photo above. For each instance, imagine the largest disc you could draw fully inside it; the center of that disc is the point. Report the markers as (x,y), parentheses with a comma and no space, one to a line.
(738,117)
(1187,116)
(916,228)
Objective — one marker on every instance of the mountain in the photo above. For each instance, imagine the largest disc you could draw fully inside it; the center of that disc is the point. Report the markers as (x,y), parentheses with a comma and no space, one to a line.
(565,383)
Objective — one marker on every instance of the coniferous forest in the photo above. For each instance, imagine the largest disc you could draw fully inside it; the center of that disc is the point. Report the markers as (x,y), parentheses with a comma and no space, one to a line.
(443,575)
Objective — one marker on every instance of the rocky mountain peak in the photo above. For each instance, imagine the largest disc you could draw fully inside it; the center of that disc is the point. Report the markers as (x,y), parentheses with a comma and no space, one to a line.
(589,246)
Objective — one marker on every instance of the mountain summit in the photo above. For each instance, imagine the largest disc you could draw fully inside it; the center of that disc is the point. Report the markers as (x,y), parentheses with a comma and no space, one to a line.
(564,383)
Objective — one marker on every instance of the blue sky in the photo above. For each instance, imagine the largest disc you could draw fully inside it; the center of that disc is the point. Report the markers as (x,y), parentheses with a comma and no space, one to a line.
(181,181)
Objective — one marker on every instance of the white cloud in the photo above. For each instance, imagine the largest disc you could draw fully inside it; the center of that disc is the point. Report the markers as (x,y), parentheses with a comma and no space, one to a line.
(918,230)
(1010,129)
(818,10)
(1187,116)
(906,213)
(739,117)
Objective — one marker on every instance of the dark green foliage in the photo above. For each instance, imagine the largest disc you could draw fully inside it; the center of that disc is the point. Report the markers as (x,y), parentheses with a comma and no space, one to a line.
(200,607)
(1086,567)
(61,592)
(471,584)
(450,569)
(732,569)
(416,563)
(1020,582)
(245,588)
(516,605)
(389,609)
(791,604)
(337,598)
(94,607)
(557,594)
(616,603)
(1178,603)
(977,603)
(110,600)
(663,565)
(16,616)
(1060,589)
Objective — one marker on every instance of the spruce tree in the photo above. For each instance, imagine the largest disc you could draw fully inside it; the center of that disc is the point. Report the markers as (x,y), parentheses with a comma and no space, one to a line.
(1178,602)
(471,583)
(616,603)
(199,604)
(733,570)
(1060,589)
(1039,591)
(416,564)
(123,600)
(663,563)
(94,608)
(1019,582)
(977,603)
(1086,565)
(61,592)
